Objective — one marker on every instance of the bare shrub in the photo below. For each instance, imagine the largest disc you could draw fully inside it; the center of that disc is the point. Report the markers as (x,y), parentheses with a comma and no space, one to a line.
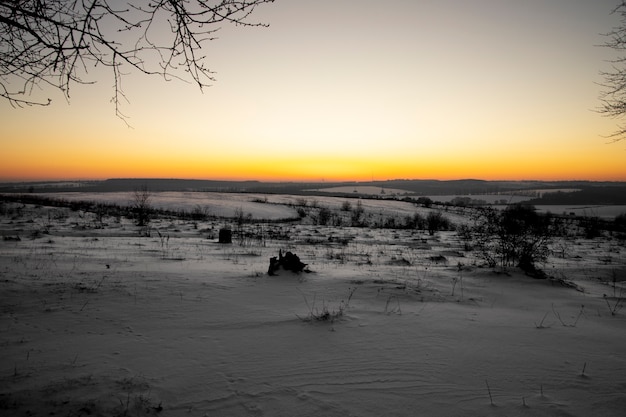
(326,313)
(436,221)
(323,216)
(356,216)
(516,236)
(141,206)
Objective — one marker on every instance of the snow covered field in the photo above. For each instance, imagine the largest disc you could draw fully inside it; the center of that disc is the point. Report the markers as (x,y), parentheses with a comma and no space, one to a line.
(105,322)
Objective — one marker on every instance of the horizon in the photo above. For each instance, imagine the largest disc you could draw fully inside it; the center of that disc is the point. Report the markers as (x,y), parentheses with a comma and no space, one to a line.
(364,93)
(530,180)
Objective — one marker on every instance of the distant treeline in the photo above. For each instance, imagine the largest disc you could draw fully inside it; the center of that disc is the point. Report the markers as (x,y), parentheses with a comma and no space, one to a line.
(412,187)
(116,210)
(601,195)
(99,208)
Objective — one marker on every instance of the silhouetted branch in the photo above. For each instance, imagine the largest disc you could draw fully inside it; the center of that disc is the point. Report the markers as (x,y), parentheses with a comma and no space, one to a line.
(54,43)
(613,97)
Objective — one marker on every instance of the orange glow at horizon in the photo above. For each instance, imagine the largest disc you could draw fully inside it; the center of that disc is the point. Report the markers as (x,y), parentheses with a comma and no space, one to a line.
(68,166)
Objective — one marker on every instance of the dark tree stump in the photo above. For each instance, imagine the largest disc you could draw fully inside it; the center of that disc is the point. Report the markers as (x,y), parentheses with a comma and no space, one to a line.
(226,236)
(289,262)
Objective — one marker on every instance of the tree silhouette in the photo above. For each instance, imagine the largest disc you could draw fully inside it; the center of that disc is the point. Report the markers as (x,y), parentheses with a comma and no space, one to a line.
(54,43)
(613,97)
(141,205)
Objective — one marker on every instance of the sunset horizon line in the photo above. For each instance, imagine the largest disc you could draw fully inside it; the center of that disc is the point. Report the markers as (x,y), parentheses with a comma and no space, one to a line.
(303,181)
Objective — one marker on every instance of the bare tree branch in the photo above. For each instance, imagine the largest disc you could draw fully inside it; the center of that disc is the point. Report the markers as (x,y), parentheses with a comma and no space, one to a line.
(54,43)
(613,96)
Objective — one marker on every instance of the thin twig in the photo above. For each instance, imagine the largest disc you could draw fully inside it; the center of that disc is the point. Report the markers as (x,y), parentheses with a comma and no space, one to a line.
(489,391)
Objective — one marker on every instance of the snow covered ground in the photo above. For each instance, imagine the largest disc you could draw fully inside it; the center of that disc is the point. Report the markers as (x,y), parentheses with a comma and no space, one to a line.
(104,322)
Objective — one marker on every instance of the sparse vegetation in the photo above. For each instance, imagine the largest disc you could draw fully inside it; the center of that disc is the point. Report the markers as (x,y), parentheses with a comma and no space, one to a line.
(614,304)
(420,294)
(435,221)
(356,217)
(141,207)
(324,216)
(516,236)
(326,313)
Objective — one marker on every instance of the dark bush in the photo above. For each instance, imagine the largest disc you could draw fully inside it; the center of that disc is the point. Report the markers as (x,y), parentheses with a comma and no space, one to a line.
(200,213)
(356,217)
(417,221)
(591,226)
(324,215)
(436,221)
(141,206)
(516,236)
(425,201)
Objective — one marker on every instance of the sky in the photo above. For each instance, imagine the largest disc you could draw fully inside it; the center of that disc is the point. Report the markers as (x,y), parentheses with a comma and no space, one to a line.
(350,90)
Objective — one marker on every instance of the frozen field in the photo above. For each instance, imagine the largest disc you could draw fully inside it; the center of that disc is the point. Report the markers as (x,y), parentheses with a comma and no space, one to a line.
(100,321)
